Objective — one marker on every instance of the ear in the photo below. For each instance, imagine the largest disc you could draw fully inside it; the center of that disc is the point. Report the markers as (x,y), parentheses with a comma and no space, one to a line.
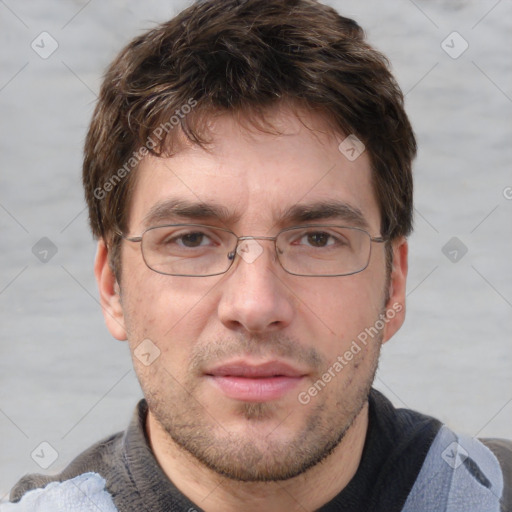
(110,298)
(395,307)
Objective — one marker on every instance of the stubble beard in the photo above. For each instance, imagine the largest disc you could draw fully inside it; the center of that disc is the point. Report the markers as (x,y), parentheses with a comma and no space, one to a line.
(248,455)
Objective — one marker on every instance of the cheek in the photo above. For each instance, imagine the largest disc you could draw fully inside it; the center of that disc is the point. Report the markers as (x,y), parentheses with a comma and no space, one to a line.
(171,312)
(342,307)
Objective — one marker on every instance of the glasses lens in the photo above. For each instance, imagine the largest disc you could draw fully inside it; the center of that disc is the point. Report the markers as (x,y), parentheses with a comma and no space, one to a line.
(324,250)
(188,250)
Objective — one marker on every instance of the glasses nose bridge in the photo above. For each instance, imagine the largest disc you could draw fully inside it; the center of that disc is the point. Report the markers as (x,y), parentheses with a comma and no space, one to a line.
(247,238)
(250,237)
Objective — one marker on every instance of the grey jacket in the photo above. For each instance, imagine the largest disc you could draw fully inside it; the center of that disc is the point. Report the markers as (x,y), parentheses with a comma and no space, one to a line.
(120,474)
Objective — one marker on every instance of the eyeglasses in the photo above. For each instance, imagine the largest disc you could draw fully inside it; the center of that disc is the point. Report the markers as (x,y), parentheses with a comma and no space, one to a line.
(196,250)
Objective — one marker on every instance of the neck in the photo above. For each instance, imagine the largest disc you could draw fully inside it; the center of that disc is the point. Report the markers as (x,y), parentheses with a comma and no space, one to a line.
(306,492)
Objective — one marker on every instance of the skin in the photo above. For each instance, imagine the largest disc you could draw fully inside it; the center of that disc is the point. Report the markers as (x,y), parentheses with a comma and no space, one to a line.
(228,454)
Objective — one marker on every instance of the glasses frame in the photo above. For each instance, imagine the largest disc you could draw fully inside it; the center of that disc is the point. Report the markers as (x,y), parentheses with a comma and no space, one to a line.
(232,255)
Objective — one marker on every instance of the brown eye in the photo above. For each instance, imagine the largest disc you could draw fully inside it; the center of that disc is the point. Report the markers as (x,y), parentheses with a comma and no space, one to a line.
(192,239)
(318,239)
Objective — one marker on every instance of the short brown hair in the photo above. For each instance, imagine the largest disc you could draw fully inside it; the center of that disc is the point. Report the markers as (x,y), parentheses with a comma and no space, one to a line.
(243,57)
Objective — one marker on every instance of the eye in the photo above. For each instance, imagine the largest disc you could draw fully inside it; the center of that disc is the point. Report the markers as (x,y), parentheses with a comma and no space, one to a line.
(196,239)
(172,239)
(319,239)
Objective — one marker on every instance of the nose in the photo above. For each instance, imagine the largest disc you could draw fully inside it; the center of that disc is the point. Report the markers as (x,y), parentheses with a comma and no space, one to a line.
(254,297)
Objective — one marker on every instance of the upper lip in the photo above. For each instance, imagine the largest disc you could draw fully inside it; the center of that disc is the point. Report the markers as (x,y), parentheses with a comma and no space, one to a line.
(255,371)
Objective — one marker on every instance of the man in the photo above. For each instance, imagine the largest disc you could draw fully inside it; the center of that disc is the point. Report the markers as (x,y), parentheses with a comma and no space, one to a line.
(248,176)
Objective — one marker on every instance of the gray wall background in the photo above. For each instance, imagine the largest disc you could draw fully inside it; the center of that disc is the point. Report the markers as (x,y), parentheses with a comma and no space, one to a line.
(65,382)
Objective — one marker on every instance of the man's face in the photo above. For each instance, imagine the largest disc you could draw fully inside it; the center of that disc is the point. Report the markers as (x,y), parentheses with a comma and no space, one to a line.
(240,352)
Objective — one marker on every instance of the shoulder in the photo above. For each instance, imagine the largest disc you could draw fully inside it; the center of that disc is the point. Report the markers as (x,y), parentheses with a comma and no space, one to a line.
(84,493)
(101,460)
(502,450)
(461,470)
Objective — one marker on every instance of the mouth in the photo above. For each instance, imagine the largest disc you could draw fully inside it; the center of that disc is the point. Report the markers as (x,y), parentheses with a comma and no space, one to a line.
(247,382)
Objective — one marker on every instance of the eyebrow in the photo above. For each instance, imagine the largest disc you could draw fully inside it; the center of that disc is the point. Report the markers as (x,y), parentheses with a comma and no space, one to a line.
(174,209)
(331,210)
(171,210)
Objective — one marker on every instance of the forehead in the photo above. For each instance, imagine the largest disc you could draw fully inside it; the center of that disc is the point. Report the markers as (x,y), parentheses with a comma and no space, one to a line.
(252,179)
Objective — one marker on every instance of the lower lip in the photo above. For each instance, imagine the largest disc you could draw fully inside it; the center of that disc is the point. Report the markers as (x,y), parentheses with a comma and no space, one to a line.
(255,390)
